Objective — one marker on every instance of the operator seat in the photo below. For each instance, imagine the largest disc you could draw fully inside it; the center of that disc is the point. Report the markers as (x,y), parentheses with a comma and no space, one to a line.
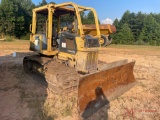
(69,33)
(54,37)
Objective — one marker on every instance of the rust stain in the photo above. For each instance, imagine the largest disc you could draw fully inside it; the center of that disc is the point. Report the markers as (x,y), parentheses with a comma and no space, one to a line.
(107,80)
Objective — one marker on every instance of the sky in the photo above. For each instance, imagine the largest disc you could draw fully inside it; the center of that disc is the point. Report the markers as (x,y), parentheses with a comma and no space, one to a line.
(109,10)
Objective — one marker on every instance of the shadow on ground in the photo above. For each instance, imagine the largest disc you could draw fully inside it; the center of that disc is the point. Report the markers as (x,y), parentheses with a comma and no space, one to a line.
(22,96)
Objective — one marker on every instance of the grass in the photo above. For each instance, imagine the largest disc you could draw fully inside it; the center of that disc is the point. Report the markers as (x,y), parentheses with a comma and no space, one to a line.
(133,49)
(9,38)
(133,46)
(14,45)
(67,111)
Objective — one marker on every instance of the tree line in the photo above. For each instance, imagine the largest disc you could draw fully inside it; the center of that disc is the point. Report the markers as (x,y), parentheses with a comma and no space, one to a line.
(137,28)
(16,17)
(132,28)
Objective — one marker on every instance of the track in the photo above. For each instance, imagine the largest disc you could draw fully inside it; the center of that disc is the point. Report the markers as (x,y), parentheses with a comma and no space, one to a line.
(59,77)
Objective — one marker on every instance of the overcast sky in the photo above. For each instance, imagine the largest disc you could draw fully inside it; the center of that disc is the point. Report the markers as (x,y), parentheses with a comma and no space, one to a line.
(108,10)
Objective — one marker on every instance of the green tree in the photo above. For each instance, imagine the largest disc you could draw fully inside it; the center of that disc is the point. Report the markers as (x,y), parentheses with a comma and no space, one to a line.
(151,31)
(125,18)
(83,17)
(15,17)
(157,17)
(42,3)
(125,35)
(144,27)
(138,24)
(7,16)
(116,23)
(52,2)
(88,18)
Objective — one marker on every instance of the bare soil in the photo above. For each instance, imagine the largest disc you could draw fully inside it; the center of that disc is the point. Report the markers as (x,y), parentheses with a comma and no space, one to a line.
(22,97)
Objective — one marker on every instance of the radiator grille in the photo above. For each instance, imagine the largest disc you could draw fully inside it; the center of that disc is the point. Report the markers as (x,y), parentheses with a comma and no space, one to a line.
(92,61)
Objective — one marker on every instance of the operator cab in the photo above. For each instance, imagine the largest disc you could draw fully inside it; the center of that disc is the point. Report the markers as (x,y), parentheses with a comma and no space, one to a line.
(63,32)
(57,31)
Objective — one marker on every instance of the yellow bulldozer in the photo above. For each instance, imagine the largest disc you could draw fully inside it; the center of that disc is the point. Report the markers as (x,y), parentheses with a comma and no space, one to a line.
(68,58)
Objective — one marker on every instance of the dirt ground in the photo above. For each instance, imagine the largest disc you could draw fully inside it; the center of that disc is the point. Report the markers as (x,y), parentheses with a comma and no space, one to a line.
(22,97)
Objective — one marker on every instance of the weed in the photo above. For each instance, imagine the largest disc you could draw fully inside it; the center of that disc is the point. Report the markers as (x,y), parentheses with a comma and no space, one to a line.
(26,37)
(67,110)
(9,38)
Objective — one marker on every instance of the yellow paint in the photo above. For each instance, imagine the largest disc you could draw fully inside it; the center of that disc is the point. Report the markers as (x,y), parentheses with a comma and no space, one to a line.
(79,40)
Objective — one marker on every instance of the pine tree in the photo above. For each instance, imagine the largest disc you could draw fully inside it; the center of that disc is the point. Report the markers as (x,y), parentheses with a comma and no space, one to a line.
(150,32)
(125,35)
(125,18)
(15,17)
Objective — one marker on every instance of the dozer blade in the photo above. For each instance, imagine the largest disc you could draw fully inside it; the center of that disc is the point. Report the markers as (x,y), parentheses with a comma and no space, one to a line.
(97,89)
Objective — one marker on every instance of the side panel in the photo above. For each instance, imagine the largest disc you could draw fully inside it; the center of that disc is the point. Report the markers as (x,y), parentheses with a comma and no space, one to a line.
(68,43)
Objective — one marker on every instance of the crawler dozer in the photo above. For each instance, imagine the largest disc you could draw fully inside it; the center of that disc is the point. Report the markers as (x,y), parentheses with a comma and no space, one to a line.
(68,58)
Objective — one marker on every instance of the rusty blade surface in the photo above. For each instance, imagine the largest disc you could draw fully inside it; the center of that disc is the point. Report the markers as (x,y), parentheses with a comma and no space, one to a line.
(96,90)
